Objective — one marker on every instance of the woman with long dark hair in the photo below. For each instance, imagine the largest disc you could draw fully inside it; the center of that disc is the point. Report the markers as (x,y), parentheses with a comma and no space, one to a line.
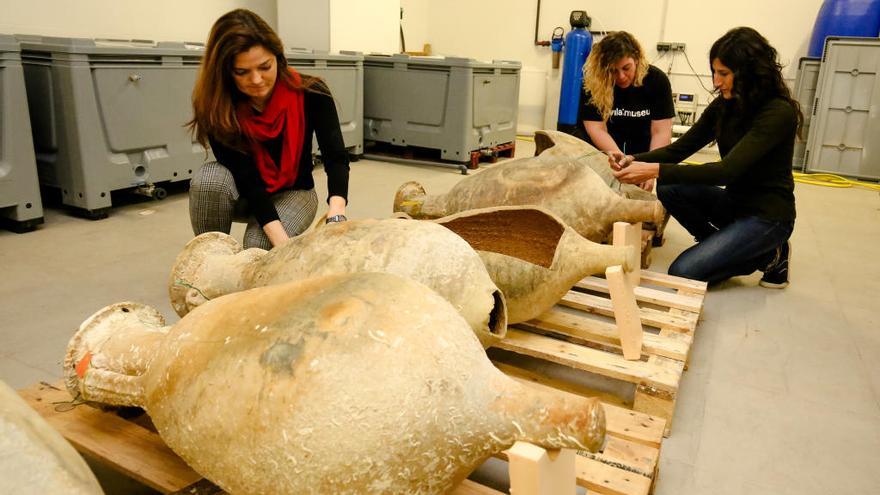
(258,116)
(743,227)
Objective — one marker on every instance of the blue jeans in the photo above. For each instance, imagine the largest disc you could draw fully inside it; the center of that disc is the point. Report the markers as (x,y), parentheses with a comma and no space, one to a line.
(726,246)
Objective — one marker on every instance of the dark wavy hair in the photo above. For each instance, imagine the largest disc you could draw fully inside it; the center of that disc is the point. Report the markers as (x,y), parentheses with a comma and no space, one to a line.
(757,74)
(215,95)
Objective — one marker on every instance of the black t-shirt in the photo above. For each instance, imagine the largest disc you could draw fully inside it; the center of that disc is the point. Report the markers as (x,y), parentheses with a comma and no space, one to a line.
(633,110)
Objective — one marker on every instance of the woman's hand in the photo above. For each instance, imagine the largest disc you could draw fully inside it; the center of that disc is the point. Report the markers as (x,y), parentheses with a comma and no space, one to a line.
(618,160)
(637,172)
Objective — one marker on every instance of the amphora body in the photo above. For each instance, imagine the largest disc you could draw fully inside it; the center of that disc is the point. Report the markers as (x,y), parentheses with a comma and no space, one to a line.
(366,383)
(213,264)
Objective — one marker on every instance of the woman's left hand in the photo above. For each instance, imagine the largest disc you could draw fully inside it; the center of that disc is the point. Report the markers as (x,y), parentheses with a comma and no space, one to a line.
(637,172)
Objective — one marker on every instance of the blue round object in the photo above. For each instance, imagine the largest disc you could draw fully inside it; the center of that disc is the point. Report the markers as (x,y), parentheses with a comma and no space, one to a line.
(844,18)
(578,43)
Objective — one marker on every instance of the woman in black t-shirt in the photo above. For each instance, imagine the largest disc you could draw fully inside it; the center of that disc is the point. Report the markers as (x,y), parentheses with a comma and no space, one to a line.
(258,115)
(744,226)
(627,105)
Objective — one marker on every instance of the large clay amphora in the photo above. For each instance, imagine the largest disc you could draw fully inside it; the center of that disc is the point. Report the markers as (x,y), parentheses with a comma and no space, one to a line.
(532,256)
(34,458)
(365,383)
(213,264)
(571,190)
(560,144)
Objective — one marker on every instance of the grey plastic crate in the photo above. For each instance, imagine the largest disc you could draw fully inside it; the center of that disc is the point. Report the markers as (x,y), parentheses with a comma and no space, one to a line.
(805,94)
(455,105)
(844,136)
(344,74)
(20,203)
(109,115)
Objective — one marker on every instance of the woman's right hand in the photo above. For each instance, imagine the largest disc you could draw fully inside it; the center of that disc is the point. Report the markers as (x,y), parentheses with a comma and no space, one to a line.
(618,160)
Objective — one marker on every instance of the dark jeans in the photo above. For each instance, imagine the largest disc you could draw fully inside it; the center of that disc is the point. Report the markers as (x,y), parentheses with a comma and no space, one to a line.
(726,246)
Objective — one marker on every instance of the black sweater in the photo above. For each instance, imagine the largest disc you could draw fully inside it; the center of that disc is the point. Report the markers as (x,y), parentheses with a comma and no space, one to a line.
(755,159)
(320,118)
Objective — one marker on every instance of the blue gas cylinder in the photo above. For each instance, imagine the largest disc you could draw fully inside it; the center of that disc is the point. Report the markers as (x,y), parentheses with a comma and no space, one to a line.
(578,43)
(844,18)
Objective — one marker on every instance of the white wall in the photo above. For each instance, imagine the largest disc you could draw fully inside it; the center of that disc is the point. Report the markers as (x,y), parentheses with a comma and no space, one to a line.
(415,23)
(304,23)
(334,25)
(504,29)
(365,26)
(161,20)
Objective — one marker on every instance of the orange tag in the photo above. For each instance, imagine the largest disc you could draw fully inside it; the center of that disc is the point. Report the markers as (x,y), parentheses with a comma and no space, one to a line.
(83,365)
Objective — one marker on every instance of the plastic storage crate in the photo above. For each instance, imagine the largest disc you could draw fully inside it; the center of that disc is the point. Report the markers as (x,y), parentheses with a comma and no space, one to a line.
(844,136)
(344,74)
(20,205)
(454,105)
(805,94)
(108,115)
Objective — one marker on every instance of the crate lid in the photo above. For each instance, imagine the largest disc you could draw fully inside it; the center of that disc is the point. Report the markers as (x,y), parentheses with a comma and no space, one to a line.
(8,43)
(104,46)
(295,53)
(442,61)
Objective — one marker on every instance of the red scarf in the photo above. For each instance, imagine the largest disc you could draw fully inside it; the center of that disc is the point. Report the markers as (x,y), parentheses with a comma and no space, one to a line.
(283,113)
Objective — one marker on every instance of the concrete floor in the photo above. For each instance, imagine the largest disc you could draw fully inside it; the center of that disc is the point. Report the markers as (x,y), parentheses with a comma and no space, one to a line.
(782,395)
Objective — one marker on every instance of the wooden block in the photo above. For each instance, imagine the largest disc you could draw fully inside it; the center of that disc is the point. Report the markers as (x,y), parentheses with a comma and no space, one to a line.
(626,312)
(627,234)
(535,471)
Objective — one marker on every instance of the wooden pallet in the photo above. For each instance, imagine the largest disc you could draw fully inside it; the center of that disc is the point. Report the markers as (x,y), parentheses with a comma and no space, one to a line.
(491,155)
(131,446)
(580,333)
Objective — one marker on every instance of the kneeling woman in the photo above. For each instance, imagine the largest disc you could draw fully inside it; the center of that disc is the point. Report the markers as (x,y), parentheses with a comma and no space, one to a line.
(745,226)
(258,116)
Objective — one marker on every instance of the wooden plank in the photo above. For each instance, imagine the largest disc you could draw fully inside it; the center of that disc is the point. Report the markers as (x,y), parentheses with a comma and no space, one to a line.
(673,282)
(592,360)
(647,295)
(592,330)
(546,381)
(626,312)
(536,471)
(124,446)
(606,479)
(626,234)
(650,317)
(468,487)
(641,458)
(620,421)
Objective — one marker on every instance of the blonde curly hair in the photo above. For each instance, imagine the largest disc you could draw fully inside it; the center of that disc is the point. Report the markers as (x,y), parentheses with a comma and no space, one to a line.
(598,71)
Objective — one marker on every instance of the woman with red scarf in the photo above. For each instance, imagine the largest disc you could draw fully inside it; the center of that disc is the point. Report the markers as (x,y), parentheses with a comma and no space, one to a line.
(258,116)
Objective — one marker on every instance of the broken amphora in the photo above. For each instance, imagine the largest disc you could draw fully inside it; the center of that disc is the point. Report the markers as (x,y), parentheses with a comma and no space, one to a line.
(363,383)
(532,256)
(571,190)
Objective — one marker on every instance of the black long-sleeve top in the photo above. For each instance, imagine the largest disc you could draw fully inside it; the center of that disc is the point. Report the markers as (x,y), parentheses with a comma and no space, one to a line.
(755,159)
(320,118)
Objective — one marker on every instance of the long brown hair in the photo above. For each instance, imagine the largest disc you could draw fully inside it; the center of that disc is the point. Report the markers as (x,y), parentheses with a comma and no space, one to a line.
(757,74)
(598,76)
(215,94)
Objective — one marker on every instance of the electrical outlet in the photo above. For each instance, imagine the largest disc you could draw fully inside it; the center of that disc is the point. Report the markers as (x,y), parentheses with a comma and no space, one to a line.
(666,46)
